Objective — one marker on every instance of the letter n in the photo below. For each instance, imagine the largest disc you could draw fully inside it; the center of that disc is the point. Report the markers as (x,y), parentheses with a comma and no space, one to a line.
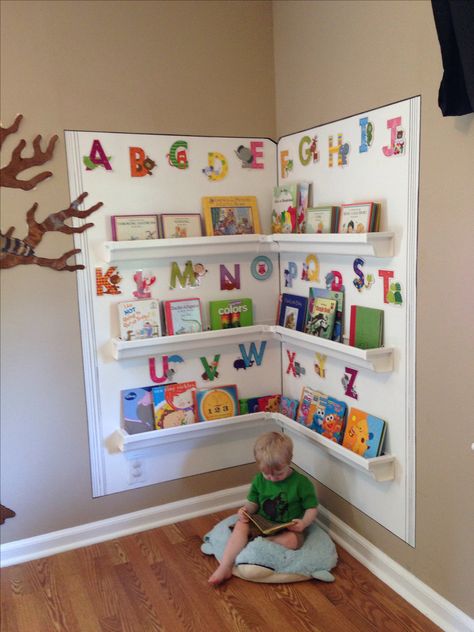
(229,282)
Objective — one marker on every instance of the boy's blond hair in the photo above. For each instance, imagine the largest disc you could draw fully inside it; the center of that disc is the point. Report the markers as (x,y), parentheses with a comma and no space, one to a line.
(273,450)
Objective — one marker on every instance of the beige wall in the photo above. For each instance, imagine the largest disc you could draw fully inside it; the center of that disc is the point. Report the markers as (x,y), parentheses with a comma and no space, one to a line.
(183,67)
(207,68)
(334,59)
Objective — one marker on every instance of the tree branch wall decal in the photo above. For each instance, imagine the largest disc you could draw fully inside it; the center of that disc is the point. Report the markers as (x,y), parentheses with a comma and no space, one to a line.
(15,251)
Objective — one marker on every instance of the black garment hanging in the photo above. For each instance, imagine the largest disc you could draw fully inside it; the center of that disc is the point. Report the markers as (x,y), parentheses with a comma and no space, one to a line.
(454,20)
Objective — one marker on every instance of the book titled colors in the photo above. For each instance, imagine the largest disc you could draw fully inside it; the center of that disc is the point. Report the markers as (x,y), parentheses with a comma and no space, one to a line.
(237,312)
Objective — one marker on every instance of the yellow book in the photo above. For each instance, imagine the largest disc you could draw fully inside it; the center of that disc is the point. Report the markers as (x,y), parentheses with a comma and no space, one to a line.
(265,526)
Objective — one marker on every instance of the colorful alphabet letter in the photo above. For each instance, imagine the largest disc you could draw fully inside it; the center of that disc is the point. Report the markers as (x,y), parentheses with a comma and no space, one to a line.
(229,282)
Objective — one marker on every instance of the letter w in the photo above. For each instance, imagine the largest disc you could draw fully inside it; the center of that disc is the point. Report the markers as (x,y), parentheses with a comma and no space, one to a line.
(253,354)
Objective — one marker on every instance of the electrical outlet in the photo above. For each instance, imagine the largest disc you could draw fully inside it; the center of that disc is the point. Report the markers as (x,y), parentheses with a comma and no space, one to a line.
(136,472)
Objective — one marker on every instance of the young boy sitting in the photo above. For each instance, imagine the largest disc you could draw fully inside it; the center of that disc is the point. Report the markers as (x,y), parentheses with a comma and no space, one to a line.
(278,493)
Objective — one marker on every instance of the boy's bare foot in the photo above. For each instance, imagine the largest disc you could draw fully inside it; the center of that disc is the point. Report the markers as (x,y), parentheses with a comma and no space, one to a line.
(220,576)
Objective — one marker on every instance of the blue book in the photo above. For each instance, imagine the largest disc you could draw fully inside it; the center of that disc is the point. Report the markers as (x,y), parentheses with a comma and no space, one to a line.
(137,409)
(292,311)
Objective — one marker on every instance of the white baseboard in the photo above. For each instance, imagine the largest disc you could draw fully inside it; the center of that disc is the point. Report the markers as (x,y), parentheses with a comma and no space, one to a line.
(419,595)
(434,606)
(93,532)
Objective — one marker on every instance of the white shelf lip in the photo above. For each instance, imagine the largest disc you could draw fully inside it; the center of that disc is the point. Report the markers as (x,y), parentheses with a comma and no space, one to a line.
(379,360)
(126,443)
(382,468)
(369,244)
(116,251)
(122,349)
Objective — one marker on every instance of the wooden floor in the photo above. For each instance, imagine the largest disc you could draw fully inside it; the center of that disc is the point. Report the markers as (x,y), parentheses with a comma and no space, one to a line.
(157,580)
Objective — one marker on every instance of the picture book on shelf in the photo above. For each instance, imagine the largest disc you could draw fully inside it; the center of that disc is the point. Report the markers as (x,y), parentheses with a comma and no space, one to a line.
(289,407)
(139,319)
(364,433)
(359,218)
(217,403)
(269,403)
(137,409)
(236,312)
(183,316)
(307,396)
(321,219)
(174,404)
(266,526)
(285,203)
(320,292)
(292,311)
(366,327)
(331,424)
(321,317)
(316,411)
(303,193)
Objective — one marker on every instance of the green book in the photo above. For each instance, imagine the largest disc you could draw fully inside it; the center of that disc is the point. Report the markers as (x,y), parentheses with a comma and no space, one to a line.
(231,313)
(321,317)
(366,328)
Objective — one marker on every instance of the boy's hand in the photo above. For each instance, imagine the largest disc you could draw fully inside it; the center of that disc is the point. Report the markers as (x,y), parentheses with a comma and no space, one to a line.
(298,526)
(242,513)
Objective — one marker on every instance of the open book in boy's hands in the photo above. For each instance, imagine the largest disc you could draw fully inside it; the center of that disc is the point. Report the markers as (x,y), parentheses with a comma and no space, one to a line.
(265,526)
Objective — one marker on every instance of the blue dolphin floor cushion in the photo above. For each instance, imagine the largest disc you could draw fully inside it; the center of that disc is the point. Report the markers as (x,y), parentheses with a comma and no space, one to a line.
(265,561)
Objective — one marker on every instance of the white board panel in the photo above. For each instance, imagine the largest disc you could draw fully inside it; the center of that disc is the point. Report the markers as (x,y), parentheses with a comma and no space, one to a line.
(171,190)
(392,181)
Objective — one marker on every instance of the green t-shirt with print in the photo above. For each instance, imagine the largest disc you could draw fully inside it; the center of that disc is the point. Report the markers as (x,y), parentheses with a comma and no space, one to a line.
(282,501)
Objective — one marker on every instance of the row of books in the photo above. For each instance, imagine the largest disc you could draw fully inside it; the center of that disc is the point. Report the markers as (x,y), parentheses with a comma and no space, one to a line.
(179,404)
(223,215)
(353,428)
(175,404)
(292,213)
(143,318)
(322,314)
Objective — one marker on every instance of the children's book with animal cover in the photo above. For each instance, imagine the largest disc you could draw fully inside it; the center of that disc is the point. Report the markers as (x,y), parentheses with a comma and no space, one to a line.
(183,316)
(292,311)
(284,209)
(174,404)
(139,319)
(321,317)
(332,423)
(217,403)
(364,433)
(269,403)
(321,292)
(366,327)
(236,312)
(289,407)
(137,409)
(307,396)
(316,411)
(265,526)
